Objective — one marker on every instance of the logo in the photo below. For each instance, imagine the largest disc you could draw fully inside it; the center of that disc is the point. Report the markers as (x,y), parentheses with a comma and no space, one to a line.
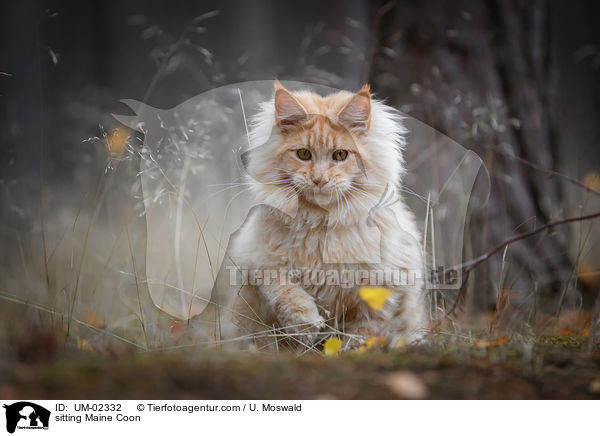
(26,415)
(196,176)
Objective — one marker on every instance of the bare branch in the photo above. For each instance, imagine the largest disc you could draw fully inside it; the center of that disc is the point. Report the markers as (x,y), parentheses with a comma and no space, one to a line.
(551,173)
(469,265)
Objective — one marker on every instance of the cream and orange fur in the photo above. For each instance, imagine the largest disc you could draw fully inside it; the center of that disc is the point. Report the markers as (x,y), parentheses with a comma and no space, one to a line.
(325,213)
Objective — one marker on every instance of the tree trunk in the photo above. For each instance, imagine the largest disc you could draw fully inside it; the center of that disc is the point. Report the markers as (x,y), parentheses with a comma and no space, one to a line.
(483,73)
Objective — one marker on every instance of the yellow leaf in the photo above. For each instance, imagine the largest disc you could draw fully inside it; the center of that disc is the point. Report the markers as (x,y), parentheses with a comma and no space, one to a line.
(376,341)
(493,342)
(592,181)
(84,345)
(116,140)
(373,342)
(94,320)
(332,346)
(375,296)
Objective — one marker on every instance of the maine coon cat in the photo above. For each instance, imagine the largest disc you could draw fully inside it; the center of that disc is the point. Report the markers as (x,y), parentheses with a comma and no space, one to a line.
(328,171)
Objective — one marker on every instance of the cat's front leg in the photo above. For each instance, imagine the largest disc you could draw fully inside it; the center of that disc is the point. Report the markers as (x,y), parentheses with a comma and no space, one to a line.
(295,309)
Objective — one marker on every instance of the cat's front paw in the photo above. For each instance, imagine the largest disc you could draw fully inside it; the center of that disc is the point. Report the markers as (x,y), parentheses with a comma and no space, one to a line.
(304,323)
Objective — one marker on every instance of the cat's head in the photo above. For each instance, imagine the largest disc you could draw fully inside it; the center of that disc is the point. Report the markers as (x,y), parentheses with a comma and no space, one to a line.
(336,152)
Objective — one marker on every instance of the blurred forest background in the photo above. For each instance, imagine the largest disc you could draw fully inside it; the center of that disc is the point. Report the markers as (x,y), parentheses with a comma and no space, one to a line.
(516,81)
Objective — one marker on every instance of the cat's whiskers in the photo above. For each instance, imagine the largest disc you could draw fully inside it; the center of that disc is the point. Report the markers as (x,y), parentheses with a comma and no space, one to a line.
(356,190)
(364,207)
(357,194)
(288,193)
(413,193)
(236,196)
(236,185)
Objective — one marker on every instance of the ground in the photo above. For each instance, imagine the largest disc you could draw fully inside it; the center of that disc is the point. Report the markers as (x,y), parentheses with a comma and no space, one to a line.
(553,367)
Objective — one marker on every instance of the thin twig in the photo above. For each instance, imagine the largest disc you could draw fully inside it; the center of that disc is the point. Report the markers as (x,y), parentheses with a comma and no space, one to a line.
(469,265)
(547,171)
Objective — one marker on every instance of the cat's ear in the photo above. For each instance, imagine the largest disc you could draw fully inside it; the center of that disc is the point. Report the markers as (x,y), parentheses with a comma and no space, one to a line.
(289,112)
(356,115)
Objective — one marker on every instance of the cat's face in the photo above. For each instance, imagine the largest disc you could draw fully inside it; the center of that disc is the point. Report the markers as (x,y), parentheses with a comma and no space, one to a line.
(320,159)
(319,154)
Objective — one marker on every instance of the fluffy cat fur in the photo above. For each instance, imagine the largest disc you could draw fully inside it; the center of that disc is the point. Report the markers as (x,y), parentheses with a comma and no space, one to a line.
(324,214)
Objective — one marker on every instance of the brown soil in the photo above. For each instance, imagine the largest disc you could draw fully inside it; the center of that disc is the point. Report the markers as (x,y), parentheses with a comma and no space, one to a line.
(550,367)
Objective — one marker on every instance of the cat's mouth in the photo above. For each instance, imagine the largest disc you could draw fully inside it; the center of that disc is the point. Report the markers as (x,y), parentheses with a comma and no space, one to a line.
(321,196)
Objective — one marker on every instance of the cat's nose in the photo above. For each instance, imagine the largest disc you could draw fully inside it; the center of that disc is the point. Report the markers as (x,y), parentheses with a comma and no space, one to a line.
(319,181)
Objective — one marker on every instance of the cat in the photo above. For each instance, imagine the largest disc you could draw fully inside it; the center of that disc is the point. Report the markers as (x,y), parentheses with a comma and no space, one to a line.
(327,172)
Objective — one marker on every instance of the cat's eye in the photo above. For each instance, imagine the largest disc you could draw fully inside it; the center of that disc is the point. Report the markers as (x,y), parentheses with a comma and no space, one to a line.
(304,154)
(340,155)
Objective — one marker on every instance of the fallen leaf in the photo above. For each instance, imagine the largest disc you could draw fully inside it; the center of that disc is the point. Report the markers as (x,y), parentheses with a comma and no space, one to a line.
(84,345)
(116,140)
(374,296)
(568,332)
(493,342)
(373,342)
(94,320)
(406,384)
(332,346)
(376,341)
(595,386)
(592,180)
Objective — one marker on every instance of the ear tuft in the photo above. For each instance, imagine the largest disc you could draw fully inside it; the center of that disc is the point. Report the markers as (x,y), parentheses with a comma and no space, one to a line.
(277,85)
(289,112)
(365,90)
(356,115)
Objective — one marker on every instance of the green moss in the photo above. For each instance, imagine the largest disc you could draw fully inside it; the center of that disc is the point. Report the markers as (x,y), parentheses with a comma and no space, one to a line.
(563,341)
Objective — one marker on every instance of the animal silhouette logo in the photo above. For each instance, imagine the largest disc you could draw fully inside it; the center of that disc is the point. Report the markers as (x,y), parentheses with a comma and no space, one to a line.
(196,193)
(26,415)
